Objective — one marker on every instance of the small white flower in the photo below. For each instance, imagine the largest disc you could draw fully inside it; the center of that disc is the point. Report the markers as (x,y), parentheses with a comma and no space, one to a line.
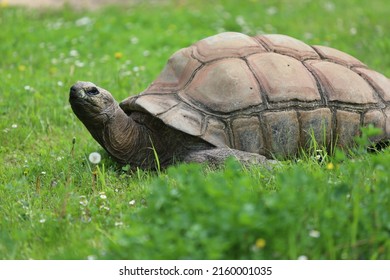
(14,125)
(83,21)
(118,224)
(329,6)
(74,53)
(272,11)
(103,195)
(60,84)
(134,40)
(42,221)
(79,63)
(353,31)
(83,200)
(314,233)
(302,258)
(94,157)
(104,208)
(132,202)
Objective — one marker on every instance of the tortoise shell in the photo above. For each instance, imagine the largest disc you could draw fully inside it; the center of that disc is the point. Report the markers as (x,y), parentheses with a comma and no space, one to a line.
(268,94)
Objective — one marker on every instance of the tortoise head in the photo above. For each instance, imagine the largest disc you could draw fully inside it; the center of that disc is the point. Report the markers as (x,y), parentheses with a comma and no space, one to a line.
(91,104)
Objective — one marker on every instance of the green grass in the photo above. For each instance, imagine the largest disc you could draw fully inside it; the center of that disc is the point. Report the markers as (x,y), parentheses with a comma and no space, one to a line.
(54,204)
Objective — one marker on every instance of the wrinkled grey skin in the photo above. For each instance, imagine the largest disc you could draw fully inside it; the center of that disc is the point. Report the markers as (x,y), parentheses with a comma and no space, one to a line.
(132,139)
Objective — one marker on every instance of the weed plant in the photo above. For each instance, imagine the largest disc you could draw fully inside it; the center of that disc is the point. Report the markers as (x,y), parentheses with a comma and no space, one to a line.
(56,204)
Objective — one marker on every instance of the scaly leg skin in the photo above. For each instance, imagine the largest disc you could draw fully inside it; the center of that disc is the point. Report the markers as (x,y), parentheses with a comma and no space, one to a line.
(217,156)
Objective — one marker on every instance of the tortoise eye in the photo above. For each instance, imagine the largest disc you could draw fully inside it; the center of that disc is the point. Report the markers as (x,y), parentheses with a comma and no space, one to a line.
(91,91)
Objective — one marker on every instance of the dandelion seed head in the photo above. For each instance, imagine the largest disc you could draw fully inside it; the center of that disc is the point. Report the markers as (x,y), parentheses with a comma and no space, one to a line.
(94,157)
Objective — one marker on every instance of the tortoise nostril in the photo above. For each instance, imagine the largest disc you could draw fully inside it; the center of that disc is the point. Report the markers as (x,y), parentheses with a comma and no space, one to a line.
(92,91)
(73,89)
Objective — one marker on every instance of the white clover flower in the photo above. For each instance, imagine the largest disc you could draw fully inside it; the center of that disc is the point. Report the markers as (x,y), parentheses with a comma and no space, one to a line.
(104,208)
(94,157)
(132,202)
(42,221)
(314,233)
(83,21)
(14,125)
(74,53)
(272,11)
(83,200)
(79,63)
(103,195)
(134,40)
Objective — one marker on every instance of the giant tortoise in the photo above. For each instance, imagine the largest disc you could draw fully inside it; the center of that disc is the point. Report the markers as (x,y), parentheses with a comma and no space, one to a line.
(254,98)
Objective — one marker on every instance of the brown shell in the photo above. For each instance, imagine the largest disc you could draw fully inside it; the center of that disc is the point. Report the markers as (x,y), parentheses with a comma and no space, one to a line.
(268,94)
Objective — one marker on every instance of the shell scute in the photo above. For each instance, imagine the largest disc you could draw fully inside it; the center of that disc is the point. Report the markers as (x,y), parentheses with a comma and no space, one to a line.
(315,124)
(287,45)
(282,130)
(227,44)
(157,103)
(247,135)
(347,127)
(176,73)
(379,82)
(216,132)
(284,78)
(338,56)
(342,84)
(215,87)
(184,118)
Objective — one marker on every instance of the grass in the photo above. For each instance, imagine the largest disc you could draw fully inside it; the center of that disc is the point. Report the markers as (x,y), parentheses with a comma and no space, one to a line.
(55,204)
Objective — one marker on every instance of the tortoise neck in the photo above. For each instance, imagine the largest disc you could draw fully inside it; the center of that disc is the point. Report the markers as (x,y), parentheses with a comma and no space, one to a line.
(123,138)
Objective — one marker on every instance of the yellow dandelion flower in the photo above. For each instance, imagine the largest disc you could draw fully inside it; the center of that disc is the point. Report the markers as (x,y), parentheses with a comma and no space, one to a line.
(22,68)
(330,166)
(260,243)
(118,55)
